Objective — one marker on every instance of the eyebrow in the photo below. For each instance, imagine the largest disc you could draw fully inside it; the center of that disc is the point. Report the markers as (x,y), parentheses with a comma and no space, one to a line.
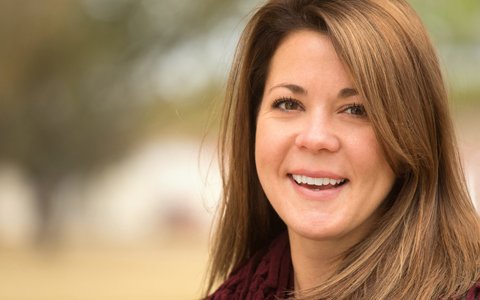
(347,92)
(296,89)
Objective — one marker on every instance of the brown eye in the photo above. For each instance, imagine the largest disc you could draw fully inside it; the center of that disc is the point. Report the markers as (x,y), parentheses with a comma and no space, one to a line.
(287,104)
(356,110)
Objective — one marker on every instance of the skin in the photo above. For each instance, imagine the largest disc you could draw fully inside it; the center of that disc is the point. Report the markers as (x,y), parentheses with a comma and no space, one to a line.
(312,122)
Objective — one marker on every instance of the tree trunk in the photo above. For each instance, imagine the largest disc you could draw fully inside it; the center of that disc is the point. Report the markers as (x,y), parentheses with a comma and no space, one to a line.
(47,234)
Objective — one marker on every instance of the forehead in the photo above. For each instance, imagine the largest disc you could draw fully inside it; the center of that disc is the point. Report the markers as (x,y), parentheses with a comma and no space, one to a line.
(309,59)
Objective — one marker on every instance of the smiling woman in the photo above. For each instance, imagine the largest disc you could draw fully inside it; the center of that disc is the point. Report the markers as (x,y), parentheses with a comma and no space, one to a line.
(306,142)
(341,175)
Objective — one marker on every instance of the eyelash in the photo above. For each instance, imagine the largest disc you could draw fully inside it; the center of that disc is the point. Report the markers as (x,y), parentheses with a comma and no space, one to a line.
(287,100)
(352,106)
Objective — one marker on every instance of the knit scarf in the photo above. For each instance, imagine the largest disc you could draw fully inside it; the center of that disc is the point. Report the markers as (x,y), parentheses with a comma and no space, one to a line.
(474,292)
(268,275)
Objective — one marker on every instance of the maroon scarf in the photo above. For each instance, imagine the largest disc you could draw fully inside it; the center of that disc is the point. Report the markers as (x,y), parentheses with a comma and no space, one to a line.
(267,276)
(474,292)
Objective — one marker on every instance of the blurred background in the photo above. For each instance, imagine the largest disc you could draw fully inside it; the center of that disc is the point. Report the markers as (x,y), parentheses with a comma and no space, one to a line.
(108,119)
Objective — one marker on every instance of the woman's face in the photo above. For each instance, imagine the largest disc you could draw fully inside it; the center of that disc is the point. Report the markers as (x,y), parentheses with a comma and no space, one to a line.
(317,156)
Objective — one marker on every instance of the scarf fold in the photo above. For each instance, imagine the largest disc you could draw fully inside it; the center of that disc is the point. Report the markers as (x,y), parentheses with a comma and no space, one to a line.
(266,276)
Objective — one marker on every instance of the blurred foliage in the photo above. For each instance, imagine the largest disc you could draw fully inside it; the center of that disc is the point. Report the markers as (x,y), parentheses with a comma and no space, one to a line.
(71,73)
(451,21)
(69,69)
(454,27)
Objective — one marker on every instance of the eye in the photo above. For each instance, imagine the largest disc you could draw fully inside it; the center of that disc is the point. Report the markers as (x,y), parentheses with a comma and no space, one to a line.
(357,110)
(287,104)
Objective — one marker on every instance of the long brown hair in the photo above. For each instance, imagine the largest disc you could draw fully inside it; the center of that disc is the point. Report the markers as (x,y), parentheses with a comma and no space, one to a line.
(426,244)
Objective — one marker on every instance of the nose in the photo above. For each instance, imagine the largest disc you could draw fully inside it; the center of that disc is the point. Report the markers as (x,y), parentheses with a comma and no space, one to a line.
(318,133)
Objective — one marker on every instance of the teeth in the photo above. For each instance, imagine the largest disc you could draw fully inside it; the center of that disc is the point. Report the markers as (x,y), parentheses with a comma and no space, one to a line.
(310,180)
(300,179)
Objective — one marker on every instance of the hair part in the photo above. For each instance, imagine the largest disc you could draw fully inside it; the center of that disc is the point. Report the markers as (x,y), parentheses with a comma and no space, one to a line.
(426,242)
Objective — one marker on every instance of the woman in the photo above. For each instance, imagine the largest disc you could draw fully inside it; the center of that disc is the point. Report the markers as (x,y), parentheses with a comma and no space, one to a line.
(341,176)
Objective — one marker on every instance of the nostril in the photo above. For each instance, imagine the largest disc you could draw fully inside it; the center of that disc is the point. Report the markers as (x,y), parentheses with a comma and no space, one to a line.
(317,140)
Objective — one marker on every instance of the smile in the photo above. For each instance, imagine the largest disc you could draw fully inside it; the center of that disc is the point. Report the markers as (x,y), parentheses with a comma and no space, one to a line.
(317,183)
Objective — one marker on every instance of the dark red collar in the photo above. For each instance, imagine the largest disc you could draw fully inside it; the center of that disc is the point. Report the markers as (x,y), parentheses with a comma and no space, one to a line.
(267,275)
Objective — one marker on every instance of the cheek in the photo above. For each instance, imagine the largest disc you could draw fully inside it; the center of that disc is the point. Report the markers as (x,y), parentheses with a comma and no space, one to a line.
(364,149)
(270,146)
(369,162)
(264,142)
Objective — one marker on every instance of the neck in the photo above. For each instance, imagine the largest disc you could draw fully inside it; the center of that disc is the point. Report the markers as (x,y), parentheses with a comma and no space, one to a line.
(314,261)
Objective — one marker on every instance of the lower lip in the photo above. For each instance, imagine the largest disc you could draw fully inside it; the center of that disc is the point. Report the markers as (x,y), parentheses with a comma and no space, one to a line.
(317,195)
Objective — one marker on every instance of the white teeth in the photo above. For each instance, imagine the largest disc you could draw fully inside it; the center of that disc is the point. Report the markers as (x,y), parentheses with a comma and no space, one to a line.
(310,180)
(300,179)
(304,179)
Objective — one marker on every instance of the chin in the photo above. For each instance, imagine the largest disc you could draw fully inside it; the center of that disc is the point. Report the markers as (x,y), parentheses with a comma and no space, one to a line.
(318,232)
